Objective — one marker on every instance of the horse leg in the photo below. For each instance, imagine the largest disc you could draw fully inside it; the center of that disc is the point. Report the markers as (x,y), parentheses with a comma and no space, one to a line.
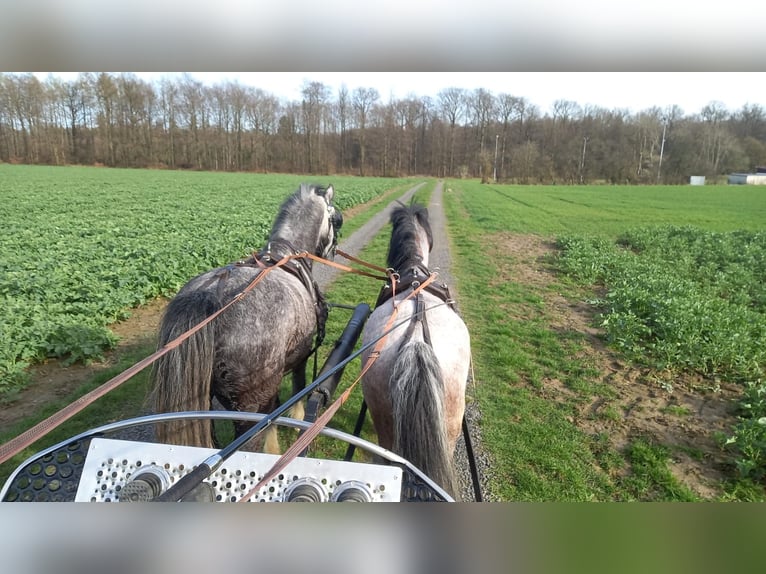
(299,383)
(271,441)
(268,440)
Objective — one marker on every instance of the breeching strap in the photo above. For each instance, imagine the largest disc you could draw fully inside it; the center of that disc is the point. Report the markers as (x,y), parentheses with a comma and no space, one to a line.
(310,434)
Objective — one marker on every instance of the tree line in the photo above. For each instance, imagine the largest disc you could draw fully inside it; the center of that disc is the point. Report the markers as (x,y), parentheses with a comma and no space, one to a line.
(121,120)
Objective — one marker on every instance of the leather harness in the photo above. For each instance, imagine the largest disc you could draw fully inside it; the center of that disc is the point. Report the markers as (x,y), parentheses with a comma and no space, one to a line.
(299,267)
(411,279)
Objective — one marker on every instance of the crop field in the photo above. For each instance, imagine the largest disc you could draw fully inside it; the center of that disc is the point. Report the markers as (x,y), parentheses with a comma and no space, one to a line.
(608,364)
(79,247)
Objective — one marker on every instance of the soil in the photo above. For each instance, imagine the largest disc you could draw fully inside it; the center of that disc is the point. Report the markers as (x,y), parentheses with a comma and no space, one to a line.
(682,413)
(53,381)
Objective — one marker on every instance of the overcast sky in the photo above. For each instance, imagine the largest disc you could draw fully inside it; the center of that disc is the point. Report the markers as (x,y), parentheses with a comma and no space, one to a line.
(634,91)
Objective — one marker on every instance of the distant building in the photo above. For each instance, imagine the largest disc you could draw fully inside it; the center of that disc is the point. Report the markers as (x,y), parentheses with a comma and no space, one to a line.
(758,178)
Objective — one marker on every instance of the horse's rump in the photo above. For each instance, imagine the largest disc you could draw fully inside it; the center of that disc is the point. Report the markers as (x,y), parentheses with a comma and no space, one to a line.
(430,378)
(415,389)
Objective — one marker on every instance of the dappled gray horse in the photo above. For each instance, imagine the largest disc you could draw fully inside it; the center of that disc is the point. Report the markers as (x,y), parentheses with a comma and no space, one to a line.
(241,356)
(415,390)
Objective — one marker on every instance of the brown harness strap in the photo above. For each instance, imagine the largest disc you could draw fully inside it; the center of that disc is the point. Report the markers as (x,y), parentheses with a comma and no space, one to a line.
(360,261)
(412,279)
(300,268)
(346,267)
(418,317)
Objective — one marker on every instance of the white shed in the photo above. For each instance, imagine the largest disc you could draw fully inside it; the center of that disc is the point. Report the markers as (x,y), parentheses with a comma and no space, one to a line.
(747,178)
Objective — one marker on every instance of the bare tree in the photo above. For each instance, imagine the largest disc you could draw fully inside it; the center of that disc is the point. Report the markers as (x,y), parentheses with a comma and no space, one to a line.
(716,143)
(262,112)
(343,106)
(452,106)
(191,109)
(169,112)
(363,101)
(315,96)
(507,108)
(483,108)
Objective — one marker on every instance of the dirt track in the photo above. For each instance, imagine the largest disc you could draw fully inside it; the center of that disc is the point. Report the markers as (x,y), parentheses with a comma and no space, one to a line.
(439,260)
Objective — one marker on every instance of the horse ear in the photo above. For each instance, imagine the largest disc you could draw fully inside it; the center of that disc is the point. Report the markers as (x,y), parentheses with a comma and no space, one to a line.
(329,194)
(306,190)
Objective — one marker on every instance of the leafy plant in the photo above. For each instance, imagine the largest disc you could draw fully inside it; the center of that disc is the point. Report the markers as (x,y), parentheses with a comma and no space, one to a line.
(749,436)
(679,297)
(80,343)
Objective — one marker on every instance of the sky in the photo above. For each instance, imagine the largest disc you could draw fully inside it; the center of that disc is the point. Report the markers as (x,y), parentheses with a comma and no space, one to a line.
(634,91)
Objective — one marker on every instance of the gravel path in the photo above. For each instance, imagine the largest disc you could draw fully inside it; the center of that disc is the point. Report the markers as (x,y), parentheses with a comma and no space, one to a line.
(439,260)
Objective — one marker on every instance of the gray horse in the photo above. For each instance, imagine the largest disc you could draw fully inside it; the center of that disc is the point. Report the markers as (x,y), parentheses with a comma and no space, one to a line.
(241,356)
(415,390)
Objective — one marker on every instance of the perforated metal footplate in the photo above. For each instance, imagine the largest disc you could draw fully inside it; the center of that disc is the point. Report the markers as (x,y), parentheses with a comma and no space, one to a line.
(53,477)
(110,464)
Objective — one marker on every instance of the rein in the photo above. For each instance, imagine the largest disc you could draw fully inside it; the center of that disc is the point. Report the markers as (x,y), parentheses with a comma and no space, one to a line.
(33,434)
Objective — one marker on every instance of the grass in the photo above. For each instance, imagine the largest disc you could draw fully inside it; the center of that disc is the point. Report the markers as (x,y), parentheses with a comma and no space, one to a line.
(606,211)
(650,478)
(539,452)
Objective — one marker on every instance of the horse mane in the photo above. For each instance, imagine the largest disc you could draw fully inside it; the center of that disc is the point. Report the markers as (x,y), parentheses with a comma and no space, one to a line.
(403,249)
(295,206)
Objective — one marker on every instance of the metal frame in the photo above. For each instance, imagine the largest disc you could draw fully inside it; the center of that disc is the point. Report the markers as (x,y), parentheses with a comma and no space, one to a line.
(230,416)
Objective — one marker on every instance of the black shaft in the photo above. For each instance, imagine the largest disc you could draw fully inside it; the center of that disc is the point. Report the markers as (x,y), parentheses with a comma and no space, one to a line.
(343,347)
(357,430)
(186,484)
(471,461)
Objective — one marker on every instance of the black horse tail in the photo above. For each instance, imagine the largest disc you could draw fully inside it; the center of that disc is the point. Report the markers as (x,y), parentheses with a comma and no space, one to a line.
(181,378)
(420,427)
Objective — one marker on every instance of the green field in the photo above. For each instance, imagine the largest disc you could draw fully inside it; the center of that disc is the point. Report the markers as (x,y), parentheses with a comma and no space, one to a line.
(675,277)
(609,210)
(653,263)
(79,247)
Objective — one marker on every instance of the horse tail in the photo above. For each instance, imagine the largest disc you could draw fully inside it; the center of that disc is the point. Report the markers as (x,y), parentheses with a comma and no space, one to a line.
(181,379)
(420,427)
